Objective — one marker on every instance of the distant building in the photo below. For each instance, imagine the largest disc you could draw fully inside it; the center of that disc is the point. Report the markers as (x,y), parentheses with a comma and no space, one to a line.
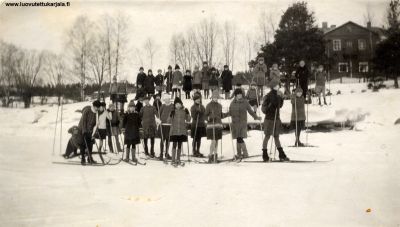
(350,48)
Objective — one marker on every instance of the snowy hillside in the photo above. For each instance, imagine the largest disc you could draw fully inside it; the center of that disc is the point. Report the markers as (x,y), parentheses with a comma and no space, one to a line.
(358,188)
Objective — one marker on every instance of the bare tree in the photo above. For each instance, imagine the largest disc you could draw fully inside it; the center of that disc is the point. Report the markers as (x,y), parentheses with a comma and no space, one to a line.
(204,38)
(56,72)
(174,48)
(98,59)
(139,56)
(151,49)
(228,40)
(7,70)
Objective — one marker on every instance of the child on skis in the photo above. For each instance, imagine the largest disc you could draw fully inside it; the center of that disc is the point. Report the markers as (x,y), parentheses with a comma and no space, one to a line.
(187,84)
(113,128)
(100,131)
(130,127)
(198,127)
(148,114)
(320,79)
(177,78)
(272,123)
(164,128)
(178,133)
(298,114)
(214,115)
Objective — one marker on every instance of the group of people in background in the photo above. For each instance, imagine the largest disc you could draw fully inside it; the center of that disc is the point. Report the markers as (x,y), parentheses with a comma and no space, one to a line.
(170,121)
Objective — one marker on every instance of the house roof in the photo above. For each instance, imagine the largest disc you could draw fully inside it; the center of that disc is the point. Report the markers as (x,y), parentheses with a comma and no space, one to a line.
(373,29)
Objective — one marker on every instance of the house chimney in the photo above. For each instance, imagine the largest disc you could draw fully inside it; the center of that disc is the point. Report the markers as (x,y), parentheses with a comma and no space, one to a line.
(324,25)
(369,24)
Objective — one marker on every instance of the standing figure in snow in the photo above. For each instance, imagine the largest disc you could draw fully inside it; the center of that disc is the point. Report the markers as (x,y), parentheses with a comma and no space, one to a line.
(168,79)
(275,74)
(213,83)
(157,103)
(238,110)
(197,78)
(273,101)
(113,128)
(141,77)
(187,84)
(140,93)
(320,79)
(302,75)
(100,131)
(177,79)
(86,125)
(205,77)
(178,133)
(149,83)
(214,125)
(130,128)
(198,127)
(298,117)
(114,90)
(148,114)
(227,81)
(251,96)
(165,112)
(259,75)
(159,81)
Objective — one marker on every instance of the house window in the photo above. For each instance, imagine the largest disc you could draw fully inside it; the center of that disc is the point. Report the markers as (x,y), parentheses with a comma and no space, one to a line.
(349,44)
(337,45)
(362,44)
(343,67)
(363,67)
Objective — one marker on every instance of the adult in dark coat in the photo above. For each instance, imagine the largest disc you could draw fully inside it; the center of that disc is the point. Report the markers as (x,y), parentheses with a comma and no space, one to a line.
(205,78)
(130,128)
(227,81)
(272,123)
(141,77)
(302,75)
(213,82)
(187,84)
(168,77)
(149,83)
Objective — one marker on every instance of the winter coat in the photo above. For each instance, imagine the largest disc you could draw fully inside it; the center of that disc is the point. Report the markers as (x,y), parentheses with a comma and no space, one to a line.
(140,93)
(214,113)
(252,94)
(157,104)
(213,79)
(320,78)
(275,74)
(149,83)
(259,74)
(187,83)
(131,124)
(238,111)
(88,120)
(205,75)
(299,105)
(168,77)
(165,112)
(114,88)
(302,75)
(271,104)
(227,80)
(141,77)
(177,78)
(159,80)
(198,115)
(178,119)
(148,115)
(76,137)
(197,77)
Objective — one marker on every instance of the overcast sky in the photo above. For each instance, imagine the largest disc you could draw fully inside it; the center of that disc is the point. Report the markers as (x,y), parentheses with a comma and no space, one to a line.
(44,27)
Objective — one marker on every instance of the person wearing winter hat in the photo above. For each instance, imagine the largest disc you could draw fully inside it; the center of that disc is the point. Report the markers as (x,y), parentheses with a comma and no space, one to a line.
(113,128)
(187,84)
(113,90)
(214,125)
(149,83)
(213,83)
(272,103)
(251,96)
(197,79)
(178,133)
(148,114)
(140,78)
(177,79)
(259,75)
(130,128)
(205,78)
(298,116)
(168,79)
(274,73)
(227,77)
(302,74)
(159,81)
(165,112)
(320,79)
(86,126)
(100,130)
(238,110)
(198,126)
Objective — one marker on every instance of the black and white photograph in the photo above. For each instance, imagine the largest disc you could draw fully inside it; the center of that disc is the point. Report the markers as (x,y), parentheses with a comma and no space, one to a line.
(200,113)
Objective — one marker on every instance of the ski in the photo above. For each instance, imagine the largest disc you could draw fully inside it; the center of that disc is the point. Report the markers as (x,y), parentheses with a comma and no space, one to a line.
(305,145)
(290,161)
(241,159)
(75,163)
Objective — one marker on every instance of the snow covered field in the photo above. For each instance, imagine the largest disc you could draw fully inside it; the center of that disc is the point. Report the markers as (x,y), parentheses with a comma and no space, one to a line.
(364,175)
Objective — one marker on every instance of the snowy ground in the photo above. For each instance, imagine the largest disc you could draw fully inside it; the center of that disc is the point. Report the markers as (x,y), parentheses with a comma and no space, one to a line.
(364,175)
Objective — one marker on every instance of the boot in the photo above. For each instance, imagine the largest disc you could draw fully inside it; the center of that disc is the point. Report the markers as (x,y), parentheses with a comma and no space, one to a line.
(210,158)
(128,150)
(200,155)
(282,155)
(215,158)
(173,155)
(152,154)
(134,159)
(299,144)
(178,158)
(265,155)
(161,157)
(244,149)
(238,151)
(325,102)
(167,156)
(91,161)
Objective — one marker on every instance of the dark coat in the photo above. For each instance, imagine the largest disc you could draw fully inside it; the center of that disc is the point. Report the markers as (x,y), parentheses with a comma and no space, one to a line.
(197,77)
(198,114)
(302,75)
(140,79)
(159,80)
(238,112)
(178,119)
(140,93)
(114,119)
(187,83)
(227,80)
(157,104)
(299,101)
(320,78)
(131,124)
(168,78)
(87,121)
(205,75)
(165,112)
(149,83)
(177,78)
(271,104)
(213,79)
(148,115)
(213,113)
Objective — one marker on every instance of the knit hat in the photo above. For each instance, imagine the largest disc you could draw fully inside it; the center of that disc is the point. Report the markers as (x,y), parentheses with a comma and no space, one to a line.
(178,100)
(187,70)
(159,71)
(213,69)
(103,104)
(273,83)
(215,94)
(253,83)
(131,104)
(238,91)
(141,68)
(226,66)
(149,70)
(196,96)
(96,103)
(169,67)
(205,62)
(114,78)
(177,66)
